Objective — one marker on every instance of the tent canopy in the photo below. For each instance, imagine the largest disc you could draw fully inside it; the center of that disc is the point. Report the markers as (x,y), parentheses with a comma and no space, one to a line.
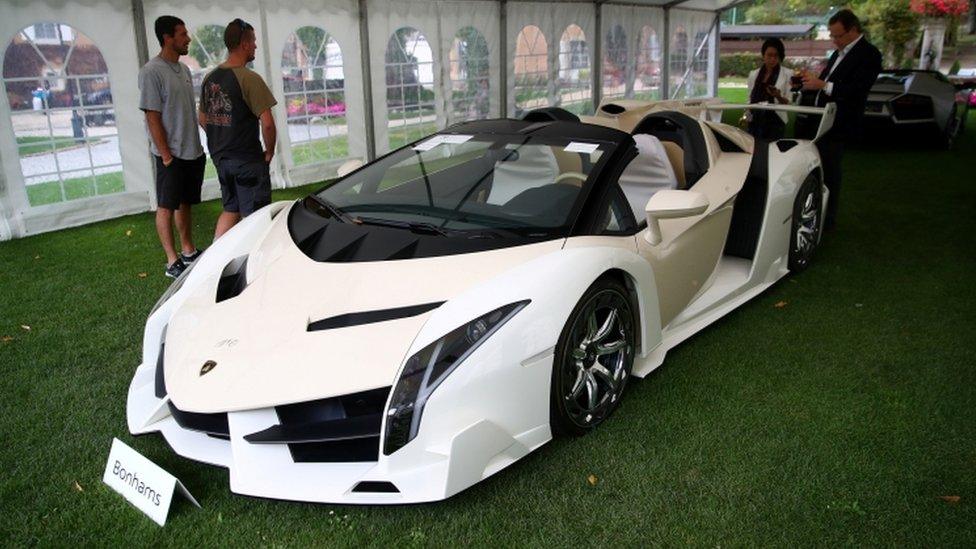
(353,79)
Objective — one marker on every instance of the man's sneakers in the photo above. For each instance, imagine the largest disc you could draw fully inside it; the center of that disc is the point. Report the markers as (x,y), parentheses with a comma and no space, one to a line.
(190,258)
(175,269)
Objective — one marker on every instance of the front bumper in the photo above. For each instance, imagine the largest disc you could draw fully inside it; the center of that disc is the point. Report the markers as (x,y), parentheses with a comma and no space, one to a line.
(451,452)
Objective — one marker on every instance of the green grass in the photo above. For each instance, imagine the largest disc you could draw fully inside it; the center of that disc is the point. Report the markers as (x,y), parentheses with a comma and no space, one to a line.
(75,188)
(29,145)
(319,150)
(837,419)
(402,135)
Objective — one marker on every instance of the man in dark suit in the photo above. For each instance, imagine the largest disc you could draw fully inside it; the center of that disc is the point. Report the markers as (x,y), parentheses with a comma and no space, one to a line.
(846,80)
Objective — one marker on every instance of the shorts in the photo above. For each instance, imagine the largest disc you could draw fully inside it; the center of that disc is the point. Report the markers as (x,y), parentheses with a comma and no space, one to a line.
(245,185)
(180,182)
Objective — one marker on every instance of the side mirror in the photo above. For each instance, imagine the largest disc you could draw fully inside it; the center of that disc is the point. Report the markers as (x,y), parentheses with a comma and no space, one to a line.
(671,205)
(349,166)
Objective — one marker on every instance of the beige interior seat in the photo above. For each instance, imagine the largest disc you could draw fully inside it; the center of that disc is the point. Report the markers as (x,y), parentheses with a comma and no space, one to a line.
(677,157)
(568,162)
(649,172)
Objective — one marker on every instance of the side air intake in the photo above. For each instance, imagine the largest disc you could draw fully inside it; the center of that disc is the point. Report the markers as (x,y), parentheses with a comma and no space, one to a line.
(233,280)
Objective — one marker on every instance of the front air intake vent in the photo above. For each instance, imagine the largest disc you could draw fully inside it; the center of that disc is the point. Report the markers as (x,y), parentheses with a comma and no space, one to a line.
(160,377)
(211,424)
(376,487)
(233,280)
(330,430)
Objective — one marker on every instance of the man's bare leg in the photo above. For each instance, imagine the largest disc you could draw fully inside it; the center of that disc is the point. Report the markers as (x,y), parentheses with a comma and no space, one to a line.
(225,222)
(184,227)
(164,228)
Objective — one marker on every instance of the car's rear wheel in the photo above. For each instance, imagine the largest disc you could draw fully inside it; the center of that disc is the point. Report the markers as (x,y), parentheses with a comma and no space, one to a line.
(952,129)
(807,224)
(593,359)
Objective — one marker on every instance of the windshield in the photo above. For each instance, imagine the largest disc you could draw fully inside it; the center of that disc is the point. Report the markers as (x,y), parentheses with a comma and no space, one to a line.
(458,183)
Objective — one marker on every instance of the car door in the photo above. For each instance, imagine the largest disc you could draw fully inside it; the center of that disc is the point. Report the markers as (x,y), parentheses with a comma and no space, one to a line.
(685,260)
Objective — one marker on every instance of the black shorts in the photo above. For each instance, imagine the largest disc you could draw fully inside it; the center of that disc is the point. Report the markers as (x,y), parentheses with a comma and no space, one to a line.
(245,185)
(180,182)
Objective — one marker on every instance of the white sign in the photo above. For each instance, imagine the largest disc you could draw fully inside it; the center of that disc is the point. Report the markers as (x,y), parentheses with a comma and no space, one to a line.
(142,482)
(456,139)
(429,144)
(442,139)
(577,147)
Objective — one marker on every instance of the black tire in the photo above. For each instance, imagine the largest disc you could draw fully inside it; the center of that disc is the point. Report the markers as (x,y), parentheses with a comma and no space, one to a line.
(586,387)
(952,129)
(807,224)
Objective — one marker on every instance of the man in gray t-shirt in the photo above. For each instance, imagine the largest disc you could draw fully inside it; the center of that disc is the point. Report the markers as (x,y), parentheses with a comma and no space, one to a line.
(166,96)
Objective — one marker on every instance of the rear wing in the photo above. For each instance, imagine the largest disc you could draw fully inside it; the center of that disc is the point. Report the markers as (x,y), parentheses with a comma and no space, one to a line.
(826,113)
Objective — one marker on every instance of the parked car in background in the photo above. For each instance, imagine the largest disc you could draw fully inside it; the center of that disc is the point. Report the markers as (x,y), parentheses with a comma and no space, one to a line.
(99,117)
(911,100)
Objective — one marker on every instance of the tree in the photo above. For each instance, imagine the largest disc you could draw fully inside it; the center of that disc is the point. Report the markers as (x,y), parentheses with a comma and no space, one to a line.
(893,27)
(207,46)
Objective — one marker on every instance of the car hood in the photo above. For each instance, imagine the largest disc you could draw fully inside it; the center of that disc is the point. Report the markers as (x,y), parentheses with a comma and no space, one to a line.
(258,345)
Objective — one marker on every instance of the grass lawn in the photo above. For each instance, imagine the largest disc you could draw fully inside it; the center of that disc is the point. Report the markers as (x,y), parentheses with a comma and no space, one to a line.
(28,144)
(401,135)
(837,408)
(319,150)
(74,188)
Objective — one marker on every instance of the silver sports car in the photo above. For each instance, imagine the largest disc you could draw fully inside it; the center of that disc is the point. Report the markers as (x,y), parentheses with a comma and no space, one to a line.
(915,99)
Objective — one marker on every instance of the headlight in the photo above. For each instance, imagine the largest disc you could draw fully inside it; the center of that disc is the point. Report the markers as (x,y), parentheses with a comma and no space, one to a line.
(426,369)
(173,288)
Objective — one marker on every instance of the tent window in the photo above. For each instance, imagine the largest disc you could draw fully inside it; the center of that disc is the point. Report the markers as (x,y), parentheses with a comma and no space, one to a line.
(62,114)
(409,87)
(315,103)
(207,50)
(647,83)
(469,76)
(679,61)
(616,80)
(531,67)
(575,92)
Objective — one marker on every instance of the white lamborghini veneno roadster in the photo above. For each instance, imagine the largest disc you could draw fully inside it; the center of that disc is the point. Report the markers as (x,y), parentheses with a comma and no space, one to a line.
(431,317)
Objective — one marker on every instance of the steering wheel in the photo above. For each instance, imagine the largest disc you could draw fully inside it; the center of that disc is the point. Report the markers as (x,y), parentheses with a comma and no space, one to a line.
(570,175)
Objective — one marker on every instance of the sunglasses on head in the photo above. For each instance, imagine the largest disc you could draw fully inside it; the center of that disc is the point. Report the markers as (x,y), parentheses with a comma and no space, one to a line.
(240,23)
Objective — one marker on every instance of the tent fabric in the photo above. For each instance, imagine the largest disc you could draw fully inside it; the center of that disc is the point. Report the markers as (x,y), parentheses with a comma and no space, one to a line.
(686,80)
(119,52)
(340,20)
(632,20)
(111,26)
(552,23)
(438,22)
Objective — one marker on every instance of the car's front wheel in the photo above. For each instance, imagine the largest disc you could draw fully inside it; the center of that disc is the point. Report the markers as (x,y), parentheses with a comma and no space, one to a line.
(593,359)
(807,224)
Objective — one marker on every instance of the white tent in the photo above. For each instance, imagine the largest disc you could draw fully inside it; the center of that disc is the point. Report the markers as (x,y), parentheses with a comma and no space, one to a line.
(72,139)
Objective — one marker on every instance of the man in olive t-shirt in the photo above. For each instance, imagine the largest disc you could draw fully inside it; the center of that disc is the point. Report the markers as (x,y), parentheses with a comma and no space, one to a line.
(235,104)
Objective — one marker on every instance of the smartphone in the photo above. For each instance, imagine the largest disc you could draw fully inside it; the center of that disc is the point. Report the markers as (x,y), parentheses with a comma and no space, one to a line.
(796,82)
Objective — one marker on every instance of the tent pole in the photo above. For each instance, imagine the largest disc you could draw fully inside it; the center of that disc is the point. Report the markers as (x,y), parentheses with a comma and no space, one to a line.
(139,27)
(666,56)
(596,64)
(503,58)
(714,54)
(283,178)
(367,82)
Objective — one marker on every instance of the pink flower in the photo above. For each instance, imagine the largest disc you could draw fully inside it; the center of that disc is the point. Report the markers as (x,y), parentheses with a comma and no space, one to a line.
(940,8)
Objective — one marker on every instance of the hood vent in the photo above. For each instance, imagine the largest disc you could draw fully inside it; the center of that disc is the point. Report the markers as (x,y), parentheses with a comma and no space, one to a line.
(328,240)
(370,317)
(233,280)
